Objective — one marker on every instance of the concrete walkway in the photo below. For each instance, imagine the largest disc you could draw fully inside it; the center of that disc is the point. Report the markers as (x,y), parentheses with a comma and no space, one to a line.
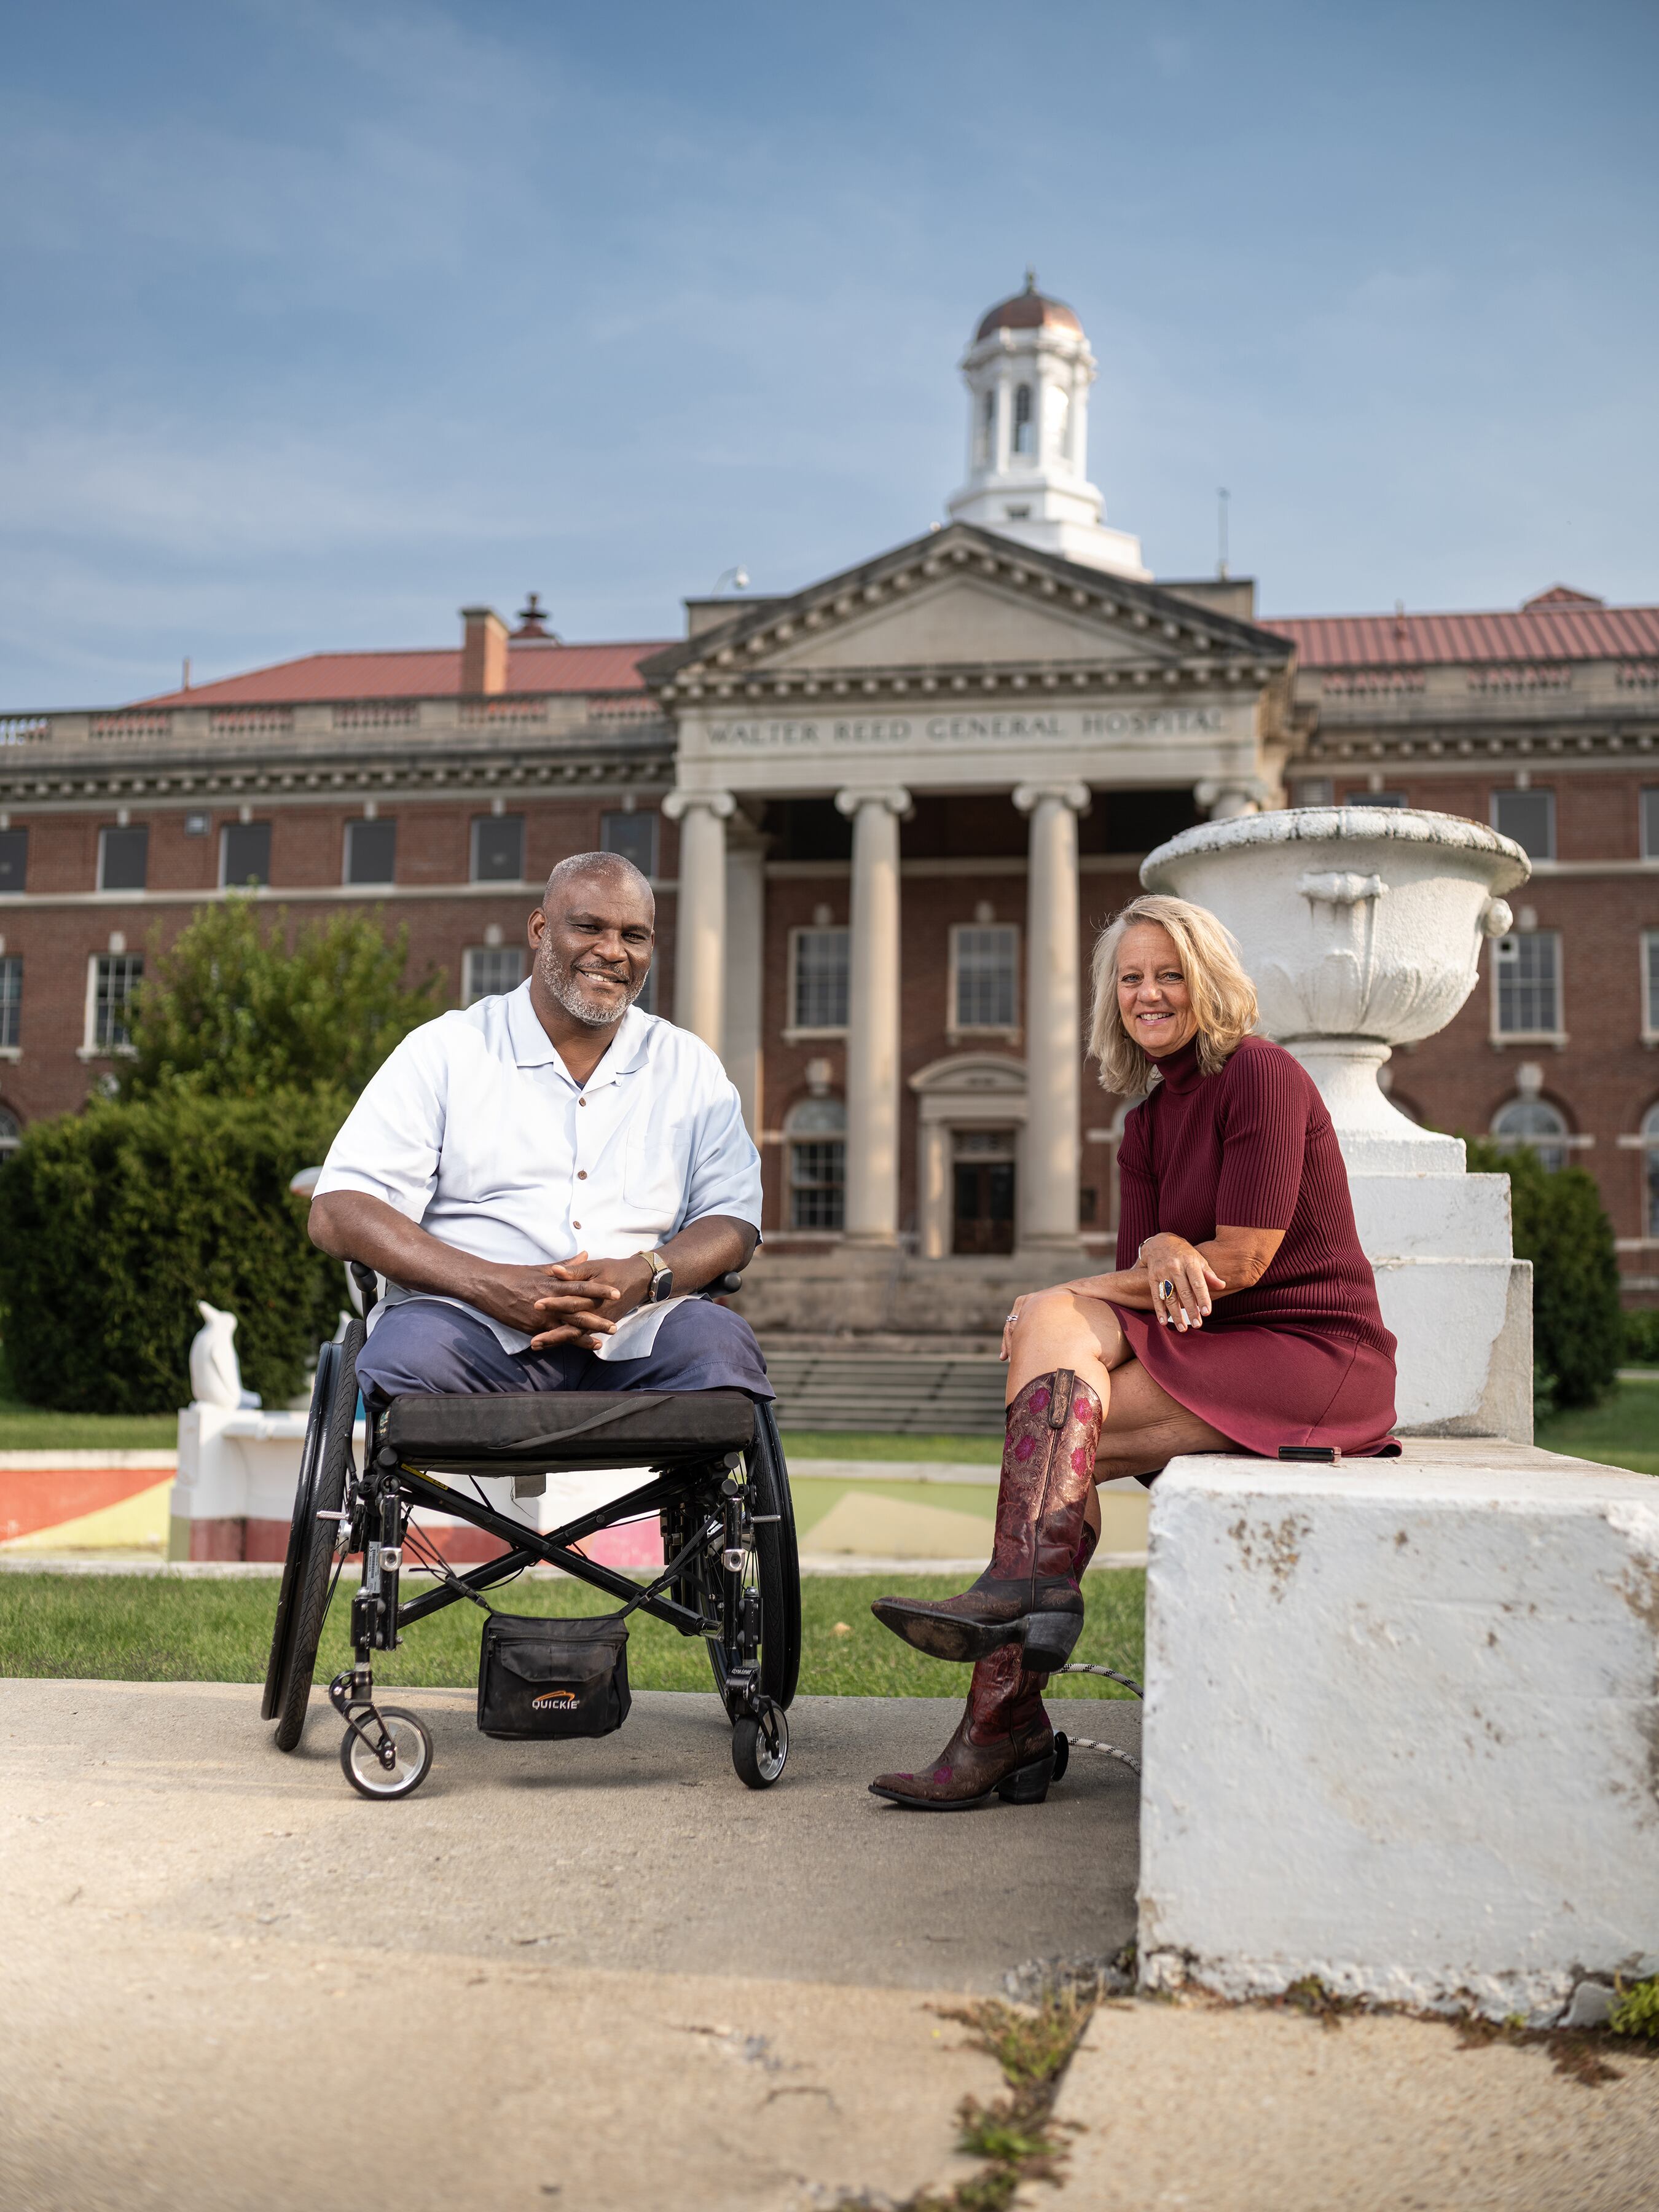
(604,1976)
(601,1974)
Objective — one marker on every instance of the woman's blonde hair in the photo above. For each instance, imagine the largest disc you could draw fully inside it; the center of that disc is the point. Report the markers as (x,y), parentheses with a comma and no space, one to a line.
(1222,996)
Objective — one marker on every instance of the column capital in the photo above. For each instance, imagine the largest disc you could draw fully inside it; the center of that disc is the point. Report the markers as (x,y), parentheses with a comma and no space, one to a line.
(1077,796)
(1224,798)
(720,803)
(894,797)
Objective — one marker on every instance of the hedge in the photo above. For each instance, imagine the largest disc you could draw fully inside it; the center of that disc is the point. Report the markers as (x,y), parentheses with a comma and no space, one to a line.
(1561,1226)
(114,1222)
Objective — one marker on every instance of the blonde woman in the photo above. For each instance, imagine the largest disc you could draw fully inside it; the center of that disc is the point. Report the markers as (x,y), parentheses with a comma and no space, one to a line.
(1241,1313)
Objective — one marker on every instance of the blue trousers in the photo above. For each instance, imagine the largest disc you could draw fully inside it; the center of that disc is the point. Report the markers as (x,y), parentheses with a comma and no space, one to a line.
(424,1344)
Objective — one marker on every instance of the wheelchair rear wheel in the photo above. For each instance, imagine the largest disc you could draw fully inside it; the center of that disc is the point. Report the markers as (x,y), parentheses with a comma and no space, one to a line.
(314,1539)
(282,1634)
(771,1568)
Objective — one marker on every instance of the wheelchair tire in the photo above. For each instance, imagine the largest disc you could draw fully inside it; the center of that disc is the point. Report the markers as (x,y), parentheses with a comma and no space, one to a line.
(760,1748)
(414,1746)
(777,1568)
(311,1452)
(315,1541)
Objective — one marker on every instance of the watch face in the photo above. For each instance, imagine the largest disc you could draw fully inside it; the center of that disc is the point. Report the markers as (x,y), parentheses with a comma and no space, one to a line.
(662,1285)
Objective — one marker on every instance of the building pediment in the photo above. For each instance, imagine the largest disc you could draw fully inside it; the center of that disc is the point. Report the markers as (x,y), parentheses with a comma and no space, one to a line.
(960,601)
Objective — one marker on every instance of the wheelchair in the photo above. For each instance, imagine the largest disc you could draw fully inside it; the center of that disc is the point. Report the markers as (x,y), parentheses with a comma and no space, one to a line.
(716,1479)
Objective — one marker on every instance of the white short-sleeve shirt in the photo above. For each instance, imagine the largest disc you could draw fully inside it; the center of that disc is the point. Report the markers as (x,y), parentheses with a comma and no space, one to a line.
(475,1129)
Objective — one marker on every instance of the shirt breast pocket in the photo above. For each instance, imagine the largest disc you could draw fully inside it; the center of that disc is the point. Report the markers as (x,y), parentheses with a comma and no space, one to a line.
(653,1175)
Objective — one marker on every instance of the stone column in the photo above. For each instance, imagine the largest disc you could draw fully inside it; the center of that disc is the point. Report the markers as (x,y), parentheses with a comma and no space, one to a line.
(745,952)
(1054,1021)
(872,1016)
(700,921)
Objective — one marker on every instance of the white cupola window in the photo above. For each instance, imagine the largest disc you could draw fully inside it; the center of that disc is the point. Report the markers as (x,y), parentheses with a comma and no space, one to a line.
(1024,441)
(984,444)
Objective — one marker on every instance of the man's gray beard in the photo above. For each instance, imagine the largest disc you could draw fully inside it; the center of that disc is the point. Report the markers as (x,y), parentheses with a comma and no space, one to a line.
(566,986)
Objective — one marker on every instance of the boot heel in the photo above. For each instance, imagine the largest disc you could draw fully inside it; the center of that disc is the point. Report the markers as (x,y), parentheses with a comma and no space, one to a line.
(1027,1785)
(1047,1640)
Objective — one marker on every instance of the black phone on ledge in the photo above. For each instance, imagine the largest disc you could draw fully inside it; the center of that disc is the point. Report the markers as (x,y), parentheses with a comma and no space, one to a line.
(1319,1454)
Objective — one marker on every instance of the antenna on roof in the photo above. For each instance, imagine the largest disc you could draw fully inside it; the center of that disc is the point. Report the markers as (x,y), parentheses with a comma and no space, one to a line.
(1030,277)
(1221,499)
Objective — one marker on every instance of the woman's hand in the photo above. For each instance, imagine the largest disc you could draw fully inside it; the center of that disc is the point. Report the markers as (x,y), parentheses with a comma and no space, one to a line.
(1006,1351)
(1190,1280)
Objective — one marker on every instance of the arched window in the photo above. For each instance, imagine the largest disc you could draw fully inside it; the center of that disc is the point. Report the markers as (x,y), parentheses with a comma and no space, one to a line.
(816,1134)
(1533,1121)
(1024,441)
(984,444)
(1651,1164)
(11,1133)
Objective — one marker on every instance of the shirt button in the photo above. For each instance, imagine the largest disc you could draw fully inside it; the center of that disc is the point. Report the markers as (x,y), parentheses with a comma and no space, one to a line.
(575,1225)
(581,1175)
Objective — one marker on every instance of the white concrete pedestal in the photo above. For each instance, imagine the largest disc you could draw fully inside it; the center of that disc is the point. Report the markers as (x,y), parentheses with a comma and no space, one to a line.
(1402,1728)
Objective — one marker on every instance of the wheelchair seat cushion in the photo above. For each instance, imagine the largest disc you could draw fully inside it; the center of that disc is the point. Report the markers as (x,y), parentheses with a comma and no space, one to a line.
(542,1429)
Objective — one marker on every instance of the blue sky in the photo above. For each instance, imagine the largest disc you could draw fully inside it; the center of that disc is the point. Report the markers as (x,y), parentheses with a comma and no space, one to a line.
(322,320)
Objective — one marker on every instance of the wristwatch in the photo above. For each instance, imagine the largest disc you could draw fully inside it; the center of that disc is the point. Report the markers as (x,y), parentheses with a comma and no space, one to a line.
(661,1285)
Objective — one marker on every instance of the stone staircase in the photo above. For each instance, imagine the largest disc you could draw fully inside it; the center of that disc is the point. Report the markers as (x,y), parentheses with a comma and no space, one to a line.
(908,1393)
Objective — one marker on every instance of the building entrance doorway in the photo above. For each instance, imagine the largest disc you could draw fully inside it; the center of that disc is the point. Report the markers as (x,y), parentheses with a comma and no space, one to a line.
(983,1193)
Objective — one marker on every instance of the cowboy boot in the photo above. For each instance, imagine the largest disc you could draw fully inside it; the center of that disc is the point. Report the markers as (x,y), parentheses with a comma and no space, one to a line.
(1000,1741)
(1003,1745)
(1029,1593)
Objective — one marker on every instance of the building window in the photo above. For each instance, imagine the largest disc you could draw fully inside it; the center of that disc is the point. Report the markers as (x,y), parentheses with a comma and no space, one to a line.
(488,970)
(1650,824)
(985,447)
(634,836)
(817,1131)
(498,848)
(11,1133)
(1528,817)
(1650,1162)
(1650,987)
(371,851)
(11,1001)
(13,859)
(1313,791)
(115,980)
(1024,435)
(123,858)
(819,993)
(1527,967)
(244,855)
(1534,1122)
(984,977)
(1376,799)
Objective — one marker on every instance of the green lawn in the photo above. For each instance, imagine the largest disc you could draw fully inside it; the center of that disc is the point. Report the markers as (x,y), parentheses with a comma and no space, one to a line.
(157,1628)
(1623,1430)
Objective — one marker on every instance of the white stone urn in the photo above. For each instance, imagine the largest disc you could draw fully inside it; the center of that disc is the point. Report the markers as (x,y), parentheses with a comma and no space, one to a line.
(1361,927)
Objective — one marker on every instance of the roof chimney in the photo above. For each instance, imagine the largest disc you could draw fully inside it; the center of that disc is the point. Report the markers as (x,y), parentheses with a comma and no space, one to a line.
(484,653)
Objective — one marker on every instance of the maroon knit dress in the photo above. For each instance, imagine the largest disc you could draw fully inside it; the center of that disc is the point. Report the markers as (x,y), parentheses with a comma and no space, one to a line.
(1302,1357)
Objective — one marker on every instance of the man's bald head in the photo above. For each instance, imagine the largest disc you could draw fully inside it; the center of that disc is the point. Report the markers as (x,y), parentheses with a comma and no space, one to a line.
(612,866)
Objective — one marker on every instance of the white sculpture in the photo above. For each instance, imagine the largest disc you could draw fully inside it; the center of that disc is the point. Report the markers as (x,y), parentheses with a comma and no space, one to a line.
(215,1375)
(1361,927)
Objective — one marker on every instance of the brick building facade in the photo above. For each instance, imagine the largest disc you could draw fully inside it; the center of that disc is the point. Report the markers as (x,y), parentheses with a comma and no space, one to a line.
(886,817)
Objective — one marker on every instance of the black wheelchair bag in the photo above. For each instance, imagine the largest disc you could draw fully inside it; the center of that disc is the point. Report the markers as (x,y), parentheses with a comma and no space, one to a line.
(542,1678)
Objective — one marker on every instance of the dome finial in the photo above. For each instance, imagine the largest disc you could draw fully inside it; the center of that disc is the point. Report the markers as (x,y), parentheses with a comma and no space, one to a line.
(1031,277)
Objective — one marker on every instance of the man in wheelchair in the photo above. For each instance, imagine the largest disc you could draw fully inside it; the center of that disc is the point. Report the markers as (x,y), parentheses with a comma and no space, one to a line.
(541,1184)
(541,1179)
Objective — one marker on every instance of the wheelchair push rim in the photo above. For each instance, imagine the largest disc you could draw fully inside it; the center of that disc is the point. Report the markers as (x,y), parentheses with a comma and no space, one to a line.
(282,1634)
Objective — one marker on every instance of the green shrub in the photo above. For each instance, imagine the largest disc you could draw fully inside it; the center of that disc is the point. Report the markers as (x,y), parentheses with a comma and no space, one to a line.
(1636,2010)
(1578,1326)
(1642,1337)
(236,1011)
(114,1222)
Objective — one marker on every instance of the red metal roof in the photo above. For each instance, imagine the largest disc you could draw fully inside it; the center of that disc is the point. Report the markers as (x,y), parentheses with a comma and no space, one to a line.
(1551,628)
(532,668)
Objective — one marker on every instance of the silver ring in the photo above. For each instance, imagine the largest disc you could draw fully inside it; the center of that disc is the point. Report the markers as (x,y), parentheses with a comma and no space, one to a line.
(1166,1288)
(1010,1317)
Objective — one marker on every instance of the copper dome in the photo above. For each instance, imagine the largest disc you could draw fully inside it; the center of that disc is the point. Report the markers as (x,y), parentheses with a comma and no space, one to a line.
(1030,310)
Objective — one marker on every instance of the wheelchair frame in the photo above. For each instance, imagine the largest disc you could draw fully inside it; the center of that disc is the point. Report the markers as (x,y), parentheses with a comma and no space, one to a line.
(731,1575)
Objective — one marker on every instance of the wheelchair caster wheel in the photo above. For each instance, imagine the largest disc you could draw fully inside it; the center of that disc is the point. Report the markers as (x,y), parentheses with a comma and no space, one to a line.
(1062,1756)
(411,1748)
(760,1746)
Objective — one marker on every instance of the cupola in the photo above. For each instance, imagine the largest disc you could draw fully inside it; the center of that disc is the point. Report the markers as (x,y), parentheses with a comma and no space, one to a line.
(1028,372)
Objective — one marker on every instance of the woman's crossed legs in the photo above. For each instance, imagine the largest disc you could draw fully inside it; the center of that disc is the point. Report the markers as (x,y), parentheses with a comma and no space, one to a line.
(1145,1427)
